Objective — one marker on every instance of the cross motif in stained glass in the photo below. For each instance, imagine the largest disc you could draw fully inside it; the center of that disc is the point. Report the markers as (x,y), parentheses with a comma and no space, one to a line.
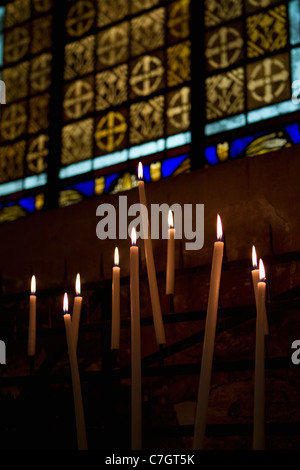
(16,44)
(78,99)
(178,110)
(37,154)
(111,131)
(224,46)
(147,75)
(13,121)
(178,22)
(112,45)
(80,18)
(225,94)
(40,72)
(268,81)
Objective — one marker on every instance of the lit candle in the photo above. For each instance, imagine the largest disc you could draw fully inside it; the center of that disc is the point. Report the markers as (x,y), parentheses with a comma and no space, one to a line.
(154,295)
(76,311)
(259,374)
(136,381)
(209,340)
(32,319)
(79,413)
(170,271)
(115,326)
(255,279)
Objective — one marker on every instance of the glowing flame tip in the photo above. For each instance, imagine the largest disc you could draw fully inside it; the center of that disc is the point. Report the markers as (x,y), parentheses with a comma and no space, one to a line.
(254,258)
(65,303)
(170,219)
(219,228)
(133,236)
(116,257)
(262,272)
(77,285)
(33,284)
(140,171)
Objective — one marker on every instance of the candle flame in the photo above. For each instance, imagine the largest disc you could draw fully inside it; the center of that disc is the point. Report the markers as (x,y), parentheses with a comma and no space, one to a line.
(254,258)
(262,272)
(133,236)
(33,284)
(116,257)
(65,303)
(77,285)
(140,171)
(219,228)
(170,219)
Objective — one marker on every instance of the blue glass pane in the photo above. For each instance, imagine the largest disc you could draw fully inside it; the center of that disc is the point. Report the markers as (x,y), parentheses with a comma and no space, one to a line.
(225,124)
(108,180)
(293,132)
(87,188)
(211,155)
(28,203)
(11,187)
(239,145)
(178,140)
(75,169)
(110,159)
(294,20)
(146,173)
(35,181)
(147,149)
(271,111)
(169,166)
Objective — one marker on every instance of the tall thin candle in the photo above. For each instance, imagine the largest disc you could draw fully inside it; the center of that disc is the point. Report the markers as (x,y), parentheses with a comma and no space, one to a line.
(259,374)
(136,384)
(115,323)
(154,294)
(255,280)
(209,340)
(170,271)
(31,348)
(78,404)
(76,310)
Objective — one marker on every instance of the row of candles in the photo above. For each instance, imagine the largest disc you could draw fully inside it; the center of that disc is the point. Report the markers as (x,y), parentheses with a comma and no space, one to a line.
(72,330)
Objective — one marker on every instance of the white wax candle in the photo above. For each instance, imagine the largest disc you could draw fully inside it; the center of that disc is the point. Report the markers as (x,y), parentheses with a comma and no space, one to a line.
(154,294)
(259,374)
(76,311)
(31,347)
(255,280)
(78,404)
(115,324)
(170,270)
(209,341)
(136,379)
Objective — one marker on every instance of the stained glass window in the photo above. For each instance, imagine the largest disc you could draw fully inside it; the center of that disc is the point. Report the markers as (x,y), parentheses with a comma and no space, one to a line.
(93,86)
(251,65)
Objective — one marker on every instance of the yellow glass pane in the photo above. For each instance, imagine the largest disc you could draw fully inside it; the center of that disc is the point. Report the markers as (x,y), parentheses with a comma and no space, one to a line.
(148,32)
(77,142)
(147,120)
(225,94)
(219,11)
(179,63)
(267,31)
